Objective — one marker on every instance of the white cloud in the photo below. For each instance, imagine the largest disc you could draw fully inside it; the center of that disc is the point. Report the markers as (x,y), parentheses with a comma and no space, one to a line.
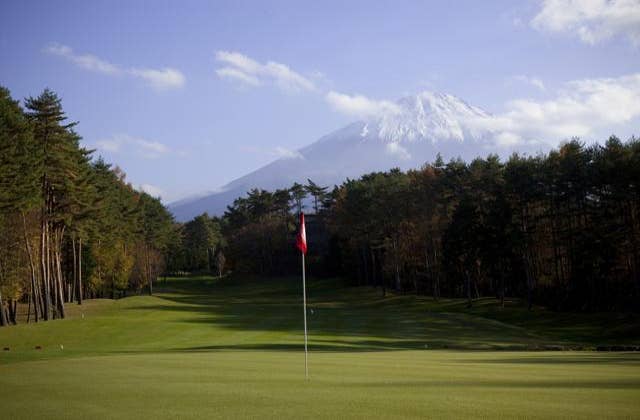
(506,139)
(320,80)
(232,73)
(282,152)
(278,152)
(580,109)
(125,143)
(529,80)
(250,72)
(239,61)
(160,79)
(152,190)
(109,145)
(591,20)
(395,149)
(166,78)
(360,106)
(151,147)
(286,78)
(86,61)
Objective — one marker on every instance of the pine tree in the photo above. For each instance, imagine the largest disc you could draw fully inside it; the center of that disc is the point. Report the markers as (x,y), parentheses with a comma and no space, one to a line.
(60,182)
(317,192)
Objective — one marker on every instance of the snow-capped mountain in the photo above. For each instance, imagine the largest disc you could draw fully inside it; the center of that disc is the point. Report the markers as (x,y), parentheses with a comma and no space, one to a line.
(406,135)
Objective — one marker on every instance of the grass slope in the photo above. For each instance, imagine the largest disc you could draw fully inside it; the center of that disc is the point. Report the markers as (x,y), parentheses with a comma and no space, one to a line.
(205,348)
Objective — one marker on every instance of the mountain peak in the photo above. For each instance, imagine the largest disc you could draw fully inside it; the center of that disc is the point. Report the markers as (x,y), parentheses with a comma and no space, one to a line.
(426,116)
(408,134)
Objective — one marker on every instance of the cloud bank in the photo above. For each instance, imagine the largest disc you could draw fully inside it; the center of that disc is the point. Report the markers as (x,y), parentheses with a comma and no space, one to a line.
(579,109)
(592,21)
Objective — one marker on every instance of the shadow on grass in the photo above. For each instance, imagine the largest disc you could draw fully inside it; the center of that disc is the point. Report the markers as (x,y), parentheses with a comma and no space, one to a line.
(587,358)
(510,384)
(359,319)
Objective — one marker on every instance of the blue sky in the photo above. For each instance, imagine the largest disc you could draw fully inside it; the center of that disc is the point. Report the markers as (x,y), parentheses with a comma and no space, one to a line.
(186,96)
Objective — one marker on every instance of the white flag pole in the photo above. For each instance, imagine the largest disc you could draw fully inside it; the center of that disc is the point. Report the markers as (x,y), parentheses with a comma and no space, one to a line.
(304,306)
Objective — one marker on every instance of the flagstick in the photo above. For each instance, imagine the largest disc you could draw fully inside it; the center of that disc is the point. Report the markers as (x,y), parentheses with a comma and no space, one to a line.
(304,306)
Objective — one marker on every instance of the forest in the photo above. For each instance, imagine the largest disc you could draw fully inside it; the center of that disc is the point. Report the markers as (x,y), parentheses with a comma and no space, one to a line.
(560,229)
(71,227)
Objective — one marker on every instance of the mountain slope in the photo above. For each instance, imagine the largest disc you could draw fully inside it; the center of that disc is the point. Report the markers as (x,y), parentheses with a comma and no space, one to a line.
(406,137)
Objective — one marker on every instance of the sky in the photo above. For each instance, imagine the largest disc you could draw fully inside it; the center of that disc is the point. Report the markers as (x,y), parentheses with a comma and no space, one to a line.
(187,96)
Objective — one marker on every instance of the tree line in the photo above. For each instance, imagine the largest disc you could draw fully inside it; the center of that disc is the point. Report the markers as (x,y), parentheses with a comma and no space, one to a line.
(71,227)
(560,229)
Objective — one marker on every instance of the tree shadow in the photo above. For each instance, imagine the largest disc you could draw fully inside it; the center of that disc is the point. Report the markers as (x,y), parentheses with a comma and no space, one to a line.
(510,384)
(342,318)
(583,358)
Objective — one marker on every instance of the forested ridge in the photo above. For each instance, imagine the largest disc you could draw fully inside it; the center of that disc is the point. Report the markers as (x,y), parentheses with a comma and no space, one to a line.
(560,229)
(71,227)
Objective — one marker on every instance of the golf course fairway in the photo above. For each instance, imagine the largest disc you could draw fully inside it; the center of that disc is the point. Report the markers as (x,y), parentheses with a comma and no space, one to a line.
(232,348)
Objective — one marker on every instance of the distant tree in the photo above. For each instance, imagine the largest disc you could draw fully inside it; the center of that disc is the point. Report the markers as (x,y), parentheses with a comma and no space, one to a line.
(202,238)
(298,194)
(317,192)
(220,261)
(157,228)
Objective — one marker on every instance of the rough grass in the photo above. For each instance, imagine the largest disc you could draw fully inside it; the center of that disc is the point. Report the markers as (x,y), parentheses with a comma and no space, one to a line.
(203,348)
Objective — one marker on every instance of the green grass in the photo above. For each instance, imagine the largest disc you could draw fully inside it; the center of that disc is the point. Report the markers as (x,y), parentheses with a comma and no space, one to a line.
(203,348)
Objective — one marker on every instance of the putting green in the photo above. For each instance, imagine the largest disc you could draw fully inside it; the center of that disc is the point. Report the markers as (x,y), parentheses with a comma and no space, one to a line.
(203,348)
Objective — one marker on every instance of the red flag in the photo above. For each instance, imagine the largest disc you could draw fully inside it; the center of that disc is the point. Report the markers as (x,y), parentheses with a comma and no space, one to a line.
(301,238)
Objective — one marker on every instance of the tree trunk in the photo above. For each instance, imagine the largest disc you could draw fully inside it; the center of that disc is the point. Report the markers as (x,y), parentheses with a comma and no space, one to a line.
(396,264)
(13,309)
(467,282)
(383,281)
(53,287)
(80,289)
(476,279)
(365,264)
(436,274)
(32,266)
(58,257)
(29,308)
(374,280)
(44,270)
(72,297)
(150,279)
(3,319)
(530,280)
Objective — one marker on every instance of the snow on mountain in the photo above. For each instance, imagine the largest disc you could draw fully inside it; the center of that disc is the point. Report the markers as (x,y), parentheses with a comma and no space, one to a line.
(430,117)
(406,137)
